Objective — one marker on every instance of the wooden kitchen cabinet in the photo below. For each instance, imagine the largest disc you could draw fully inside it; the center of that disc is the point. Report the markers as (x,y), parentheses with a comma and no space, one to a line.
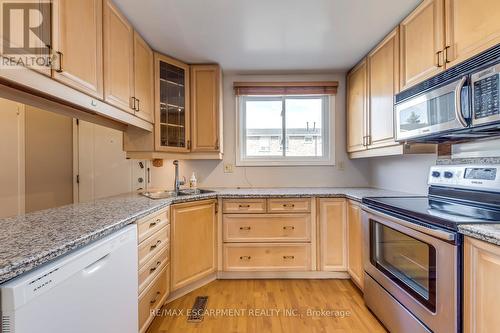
(143,79)
(172,103)
(332,234)
(481,288)
(77,40)
(471,27)
(355,244)
(118,59)
(193,242)
(357,107)
(422,43)
(206,108)
(383,84)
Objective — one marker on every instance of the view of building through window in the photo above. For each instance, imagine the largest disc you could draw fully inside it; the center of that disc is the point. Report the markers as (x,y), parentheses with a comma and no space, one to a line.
(291,126)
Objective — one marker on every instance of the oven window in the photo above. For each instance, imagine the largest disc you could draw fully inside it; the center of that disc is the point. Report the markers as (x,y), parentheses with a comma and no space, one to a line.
(407,261)
(438,110)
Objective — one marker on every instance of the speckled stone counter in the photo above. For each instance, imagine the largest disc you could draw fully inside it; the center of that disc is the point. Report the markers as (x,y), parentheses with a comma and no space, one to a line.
(486,232)
(33,239)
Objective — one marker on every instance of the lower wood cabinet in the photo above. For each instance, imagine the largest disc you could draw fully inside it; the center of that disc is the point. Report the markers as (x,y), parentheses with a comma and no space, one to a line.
(355,244)
(194,239)
(332,234)
(153,233)
(481,287)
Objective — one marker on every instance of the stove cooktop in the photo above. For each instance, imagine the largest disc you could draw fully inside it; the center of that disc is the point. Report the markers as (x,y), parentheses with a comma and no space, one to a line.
(436,211)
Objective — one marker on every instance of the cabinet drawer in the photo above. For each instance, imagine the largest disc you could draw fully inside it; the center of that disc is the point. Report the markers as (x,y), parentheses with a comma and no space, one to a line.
(266,227)
(153,245)
(153,298)
(151,224)
(247,206)
(289,205)
(152,268)
(267,257)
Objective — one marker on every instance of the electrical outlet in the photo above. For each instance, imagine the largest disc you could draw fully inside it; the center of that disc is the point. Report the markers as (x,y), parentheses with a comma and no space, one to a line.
(341,166)
(228,168)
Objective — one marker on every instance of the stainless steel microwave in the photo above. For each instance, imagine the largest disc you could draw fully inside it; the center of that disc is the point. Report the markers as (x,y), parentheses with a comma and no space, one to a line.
(462,102)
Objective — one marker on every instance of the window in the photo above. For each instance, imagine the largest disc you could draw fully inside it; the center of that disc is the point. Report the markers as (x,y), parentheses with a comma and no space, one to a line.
(284,130)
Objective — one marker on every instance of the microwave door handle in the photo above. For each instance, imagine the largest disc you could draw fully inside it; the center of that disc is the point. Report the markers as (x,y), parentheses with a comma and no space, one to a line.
(458,102)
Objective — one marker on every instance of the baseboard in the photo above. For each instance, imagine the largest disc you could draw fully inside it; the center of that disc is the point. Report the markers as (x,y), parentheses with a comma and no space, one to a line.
(190,287)
(283,275)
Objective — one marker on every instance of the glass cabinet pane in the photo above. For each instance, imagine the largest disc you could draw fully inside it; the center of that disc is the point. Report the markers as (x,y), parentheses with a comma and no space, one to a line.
(172,106)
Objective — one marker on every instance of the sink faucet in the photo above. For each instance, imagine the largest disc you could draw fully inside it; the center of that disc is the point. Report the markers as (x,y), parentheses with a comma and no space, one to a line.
(177,183)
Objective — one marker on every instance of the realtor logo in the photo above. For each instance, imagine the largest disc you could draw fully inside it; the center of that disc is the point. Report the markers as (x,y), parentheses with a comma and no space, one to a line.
(26,32)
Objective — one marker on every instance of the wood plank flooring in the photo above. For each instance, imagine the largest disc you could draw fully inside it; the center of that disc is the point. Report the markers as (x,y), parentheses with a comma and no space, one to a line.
(272,306)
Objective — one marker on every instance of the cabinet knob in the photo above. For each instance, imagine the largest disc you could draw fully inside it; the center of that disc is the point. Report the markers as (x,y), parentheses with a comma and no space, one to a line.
(245,228)
(288,257)
(153,301)
(152,269)
(288,205)
(288,227)
(244,206)
(246,258)
(155,245)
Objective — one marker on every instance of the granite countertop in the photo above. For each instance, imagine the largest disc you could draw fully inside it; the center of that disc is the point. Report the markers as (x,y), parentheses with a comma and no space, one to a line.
(485,232)
(30,240)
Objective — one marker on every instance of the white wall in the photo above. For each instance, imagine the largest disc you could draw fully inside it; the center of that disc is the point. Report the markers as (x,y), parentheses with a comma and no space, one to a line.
(211,173)
(406,173)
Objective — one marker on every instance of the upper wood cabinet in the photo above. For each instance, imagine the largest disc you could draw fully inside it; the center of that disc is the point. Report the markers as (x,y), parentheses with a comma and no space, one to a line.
(383,84)
(144,79)
(118,59)
(481,288)
(172,117)
(357,107)
(332,233)
(194,236)
(77,40)
(355,244)
(206,108)
(472,26)
(422,43)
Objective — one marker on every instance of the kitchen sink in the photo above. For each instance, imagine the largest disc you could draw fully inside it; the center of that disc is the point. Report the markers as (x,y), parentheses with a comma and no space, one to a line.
(172,194)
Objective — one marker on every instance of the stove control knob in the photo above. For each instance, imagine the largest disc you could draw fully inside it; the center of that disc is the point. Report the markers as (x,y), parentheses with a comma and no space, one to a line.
(436,174)
(448,174)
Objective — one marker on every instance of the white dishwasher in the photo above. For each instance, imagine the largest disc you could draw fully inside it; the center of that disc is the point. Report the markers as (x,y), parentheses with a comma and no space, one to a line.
(93,289)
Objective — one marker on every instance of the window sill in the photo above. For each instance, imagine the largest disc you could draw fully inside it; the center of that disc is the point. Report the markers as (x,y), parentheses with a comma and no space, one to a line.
(291,163)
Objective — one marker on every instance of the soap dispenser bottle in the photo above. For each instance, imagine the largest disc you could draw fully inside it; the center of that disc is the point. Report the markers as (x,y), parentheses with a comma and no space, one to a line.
(193,183)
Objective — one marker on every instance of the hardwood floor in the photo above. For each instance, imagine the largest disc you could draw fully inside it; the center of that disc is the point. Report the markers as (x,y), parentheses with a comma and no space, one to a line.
(260,305)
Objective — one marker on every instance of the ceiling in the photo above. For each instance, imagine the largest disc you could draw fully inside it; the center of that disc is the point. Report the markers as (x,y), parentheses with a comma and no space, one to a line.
(266,35)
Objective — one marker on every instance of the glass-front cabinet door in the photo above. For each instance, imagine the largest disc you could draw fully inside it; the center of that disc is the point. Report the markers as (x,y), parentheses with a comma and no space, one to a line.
(172,105)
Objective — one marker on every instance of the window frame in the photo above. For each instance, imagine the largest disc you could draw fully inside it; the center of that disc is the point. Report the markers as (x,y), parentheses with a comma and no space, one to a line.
(328,134)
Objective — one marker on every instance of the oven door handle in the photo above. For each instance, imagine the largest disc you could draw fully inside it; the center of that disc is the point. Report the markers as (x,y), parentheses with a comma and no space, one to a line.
(458,102)
(441,234)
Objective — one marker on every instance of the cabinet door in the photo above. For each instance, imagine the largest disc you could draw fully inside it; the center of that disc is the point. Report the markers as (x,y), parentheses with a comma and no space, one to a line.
(355,242)
(383,84)
(471,27)
(206,107)
(172,119)
(422,43)
(144,78)
(481,288)
(118,59)
(77,38)
(193,235)
(356,107)
(332,224)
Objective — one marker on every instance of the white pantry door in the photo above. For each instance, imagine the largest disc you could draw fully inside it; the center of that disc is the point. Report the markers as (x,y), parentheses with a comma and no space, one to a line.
(100,163)
(12,158)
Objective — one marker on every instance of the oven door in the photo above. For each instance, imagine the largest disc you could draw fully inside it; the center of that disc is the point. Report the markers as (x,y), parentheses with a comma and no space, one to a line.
(436,111)
(416,265)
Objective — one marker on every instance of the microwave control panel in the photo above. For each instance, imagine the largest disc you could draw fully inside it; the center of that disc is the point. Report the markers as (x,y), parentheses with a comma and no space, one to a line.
(486,94)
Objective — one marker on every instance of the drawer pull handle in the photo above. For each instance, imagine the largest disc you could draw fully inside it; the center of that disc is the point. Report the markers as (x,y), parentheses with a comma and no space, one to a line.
(155,246)
(153,301)
(288,205)
(152,224)
(245,258)
(245,228)
(288,257)
(244,206)
(158,263)
(288,227)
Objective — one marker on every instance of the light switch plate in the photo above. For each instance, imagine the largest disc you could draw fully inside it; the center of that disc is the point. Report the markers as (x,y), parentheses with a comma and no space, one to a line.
(228,168)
